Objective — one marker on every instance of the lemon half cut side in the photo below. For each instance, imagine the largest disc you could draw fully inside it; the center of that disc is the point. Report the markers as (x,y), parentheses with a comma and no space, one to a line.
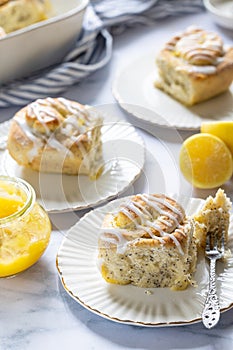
(205,161)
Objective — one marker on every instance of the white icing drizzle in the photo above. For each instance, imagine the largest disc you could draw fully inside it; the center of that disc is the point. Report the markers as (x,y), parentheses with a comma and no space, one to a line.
(129,215)
(54,143)
(119,239)
(40,112)
(196,56)
(143,209)
(198,69)
(36,141)
(74,109)
(72,121)
(180,231)
(141,226)
(27,130)
(156,227)
(74,125)
(150,201)
(165,222)
(131,206)
(177,243)
(166,204)
(143,220)
(202,50)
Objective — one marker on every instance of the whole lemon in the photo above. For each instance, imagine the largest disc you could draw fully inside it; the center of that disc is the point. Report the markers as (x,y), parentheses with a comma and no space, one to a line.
(223,130)
(205,161)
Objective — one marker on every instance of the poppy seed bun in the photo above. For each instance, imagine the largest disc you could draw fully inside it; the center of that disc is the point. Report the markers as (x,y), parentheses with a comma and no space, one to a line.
(148,242)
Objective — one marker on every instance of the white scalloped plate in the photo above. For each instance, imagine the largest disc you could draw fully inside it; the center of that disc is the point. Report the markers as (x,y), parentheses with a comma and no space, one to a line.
(80,276)
(124,156)
(134,90)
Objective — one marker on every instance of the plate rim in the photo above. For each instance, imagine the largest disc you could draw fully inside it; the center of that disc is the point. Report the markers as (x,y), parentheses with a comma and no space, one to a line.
(100,201)
(105,315)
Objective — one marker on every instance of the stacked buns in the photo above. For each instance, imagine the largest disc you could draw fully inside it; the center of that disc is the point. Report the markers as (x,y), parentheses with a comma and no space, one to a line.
(57,135)
(148,241)
(194,66)
(17,14)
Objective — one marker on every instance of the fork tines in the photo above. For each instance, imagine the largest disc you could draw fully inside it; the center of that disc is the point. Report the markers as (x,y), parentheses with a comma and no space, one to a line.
(214,243)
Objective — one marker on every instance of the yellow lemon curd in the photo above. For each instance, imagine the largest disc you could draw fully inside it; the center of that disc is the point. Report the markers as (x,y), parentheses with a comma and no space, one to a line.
(24,227)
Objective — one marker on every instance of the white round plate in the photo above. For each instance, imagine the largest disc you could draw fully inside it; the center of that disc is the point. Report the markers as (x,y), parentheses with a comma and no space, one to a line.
(134,90)
(124,156)
(78,269)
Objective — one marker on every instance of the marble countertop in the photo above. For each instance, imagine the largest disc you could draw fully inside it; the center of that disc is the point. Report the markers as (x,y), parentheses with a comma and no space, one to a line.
(35,310)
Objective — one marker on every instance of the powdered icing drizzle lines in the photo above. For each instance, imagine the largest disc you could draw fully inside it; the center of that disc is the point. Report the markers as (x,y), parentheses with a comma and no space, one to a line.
(143,219)
(76,120)
(201,50)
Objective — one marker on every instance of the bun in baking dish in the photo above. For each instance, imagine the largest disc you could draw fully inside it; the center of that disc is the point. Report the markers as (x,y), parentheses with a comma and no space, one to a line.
(194,66)
(57,135)
(148,242)
(17,14)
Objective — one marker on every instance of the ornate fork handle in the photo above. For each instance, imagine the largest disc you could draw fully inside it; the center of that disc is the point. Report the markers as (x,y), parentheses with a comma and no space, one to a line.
(211,311)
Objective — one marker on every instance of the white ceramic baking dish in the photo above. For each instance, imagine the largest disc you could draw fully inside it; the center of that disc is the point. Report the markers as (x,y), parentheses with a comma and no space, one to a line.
(221,11)
(43,44)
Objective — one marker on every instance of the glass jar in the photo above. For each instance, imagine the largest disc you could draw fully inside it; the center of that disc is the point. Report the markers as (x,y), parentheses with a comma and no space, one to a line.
(24,226)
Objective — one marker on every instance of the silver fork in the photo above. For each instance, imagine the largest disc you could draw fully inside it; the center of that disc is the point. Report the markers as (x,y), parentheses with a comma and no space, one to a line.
(211,311)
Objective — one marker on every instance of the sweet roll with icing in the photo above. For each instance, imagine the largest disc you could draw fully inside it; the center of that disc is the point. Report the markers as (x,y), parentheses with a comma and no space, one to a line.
(57,135)
(148,242)
(194,66)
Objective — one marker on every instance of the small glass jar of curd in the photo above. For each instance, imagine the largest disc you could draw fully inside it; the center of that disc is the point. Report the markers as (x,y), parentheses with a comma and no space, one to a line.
(24,226)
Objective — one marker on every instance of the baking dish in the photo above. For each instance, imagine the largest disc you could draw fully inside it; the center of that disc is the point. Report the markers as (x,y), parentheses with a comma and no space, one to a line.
(221,11)
(40,45)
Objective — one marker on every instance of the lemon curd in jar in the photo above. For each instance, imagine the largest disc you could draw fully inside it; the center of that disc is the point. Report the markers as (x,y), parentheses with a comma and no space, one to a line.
(24,226)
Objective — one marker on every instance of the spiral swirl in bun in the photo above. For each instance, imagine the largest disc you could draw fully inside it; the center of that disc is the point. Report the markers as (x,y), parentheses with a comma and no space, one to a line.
(57,135)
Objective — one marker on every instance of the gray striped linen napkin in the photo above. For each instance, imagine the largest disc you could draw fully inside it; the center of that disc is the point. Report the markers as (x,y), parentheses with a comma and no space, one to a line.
(93,50)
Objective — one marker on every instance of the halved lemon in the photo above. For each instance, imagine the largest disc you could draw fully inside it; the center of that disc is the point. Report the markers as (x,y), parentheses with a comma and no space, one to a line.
(223,130)
(205,161)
